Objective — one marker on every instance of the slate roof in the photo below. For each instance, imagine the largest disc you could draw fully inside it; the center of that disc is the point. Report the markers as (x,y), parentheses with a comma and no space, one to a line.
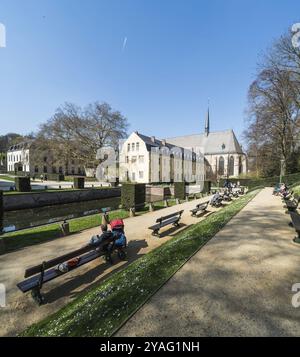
(21,146)
(211,144)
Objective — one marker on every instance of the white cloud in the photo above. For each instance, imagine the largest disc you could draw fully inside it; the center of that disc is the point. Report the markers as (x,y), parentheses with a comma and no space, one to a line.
(2,36)
(124,43)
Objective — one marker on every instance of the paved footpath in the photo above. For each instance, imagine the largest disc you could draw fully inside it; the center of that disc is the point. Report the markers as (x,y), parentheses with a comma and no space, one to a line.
(21,311)
(239,284)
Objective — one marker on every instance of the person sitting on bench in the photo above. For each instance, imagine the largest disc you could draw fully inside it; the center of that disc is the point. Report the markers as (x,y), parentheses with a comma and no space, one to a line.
(98,239)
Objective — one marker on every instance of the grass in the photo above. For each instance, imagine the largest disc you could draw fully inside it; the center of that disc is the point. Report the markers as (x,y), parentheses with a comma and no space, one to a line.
(27,237)
(296,188)
(8,178)
(42,234)
(104,308)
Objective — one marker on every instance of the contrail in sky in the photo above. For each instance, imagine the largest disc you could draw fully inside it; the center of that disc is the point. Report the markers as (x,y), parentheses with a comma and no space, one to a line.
(124,43)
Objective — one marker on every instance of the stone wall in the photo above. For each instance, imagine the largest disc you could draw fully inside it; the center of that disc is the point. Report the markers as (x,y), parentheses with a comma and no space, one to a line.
(13,202)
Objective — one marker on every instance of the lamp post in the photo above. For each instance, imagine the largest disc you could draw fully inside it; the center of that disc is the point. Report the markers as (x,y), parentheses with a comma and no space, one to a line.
(281,170)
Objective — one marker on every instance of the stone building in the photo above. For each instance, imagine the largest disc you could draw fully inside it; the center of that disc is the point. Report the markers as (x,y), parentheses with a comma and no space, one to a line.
(27,158)
(145,159)
(223,154)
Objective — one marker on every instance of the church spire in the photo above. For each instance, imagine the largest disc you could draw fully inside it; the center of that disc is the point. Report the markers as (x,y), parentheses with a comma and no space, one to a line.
(207,122)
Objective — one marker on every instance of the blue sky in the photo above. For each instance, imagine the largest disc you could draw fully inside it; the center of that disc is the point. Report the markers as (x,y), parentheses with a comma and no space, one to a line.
(177,55)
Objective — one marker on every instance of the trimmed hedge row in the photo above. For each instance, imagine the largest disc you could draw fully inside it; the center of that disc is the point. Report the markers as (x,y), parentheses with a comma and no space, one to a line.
(79,182)
(133,195)
(179,190)
(1,211)
(267,181)
(23,184)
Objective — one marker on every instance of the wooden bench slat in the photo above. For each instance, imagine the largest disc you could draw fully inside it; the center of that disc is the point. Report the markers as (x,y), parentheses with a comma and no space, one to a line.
(295,220)
(61,259)
(166,220)
(53,273)
(163,218)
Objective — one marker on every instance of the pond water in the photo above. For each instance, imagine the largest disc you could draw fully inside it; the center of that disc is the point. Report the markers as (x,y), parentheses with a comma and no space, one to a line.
(20,219)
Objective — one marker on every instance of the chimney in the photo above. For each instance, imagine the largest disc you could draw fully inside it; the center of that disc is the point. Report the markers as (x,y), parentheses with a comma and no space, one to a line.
(153,139)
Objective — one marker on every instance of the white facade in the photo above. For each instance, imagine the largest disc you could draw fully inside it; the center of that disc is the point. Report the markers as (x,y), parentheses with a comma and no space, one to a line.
(19,158)
(134,160)
(146,159)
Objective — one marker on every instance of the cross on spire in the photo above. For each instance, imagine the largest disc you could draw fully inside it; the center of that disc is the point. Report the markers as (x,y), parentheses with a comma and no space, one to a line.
(207,121)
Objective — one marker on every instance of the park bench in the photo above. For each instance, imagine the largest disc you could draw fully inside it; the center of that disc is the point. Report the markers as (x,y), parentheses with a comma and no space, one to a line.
(296,222)
(218,202)
(289,196)
(292,205)
(226,197)
(163,221)
(201,207)
(38,275)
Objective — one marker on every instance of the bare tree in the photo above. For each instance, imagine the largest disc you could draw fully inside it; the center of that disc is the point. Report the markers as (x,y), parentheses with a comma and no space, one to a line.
(77,133)
(273,128)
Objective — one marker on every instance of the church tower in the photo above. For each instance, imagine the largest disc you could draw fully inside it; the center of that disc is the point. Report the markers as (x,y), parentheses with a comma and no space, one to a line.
(207,123)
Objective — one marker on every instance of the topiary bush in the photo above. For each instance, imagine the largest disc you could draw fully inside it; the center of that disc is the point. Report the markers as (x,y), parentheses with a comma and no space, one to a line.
(133,195)
(56,177)
(23,184)
(1,211)
(179,190)
(79,182)
(206,187)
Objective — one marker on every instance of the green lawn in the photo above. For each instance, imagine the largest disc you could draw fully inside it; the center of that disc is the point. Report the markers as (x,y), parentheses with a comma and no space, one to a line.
(27,237)
(102,309)
(7,178)
(296,188)
(42,234)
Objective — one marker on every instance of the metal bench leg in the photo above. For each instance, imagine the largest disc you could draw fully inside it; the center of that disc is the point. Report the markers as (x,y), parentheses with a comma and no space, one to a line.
(36,292)
(297,239)
(37,296)
(176,224)
(155,232)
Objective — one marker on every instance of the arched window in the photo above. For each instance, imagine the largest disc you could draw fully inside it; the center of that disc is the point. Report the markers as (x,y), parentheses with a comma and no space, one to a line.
(240,165)
(221,165)
(231,166)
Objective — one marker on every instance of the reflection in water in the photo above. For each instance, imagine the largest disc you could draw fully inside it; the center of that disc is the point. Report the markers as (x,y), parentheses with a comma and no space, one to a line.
(20,219)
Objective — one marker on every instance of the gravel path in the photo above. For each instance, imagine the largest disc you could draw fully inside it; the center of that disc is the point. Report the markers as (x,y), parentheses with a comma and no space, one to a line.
(239,284)
(21,311)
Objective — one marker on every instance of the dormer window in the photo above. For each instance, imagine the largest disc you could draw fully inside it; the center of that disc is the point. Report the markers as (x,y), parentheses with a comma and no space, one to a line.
(223,146)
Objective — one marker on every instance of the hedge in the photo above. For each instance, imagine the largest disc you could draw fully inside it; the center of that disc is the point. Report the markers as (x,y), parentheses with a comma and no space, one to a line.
(133,195)
(79,182)
(206,187)
(1,211)
(55,177)
(23,184)
(179,190)
(264,181)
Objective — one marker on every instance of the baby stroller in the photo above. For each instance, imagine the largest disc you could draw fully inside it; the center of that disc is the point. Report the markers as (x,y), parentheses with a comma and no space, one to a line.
(119,242)
(111,240)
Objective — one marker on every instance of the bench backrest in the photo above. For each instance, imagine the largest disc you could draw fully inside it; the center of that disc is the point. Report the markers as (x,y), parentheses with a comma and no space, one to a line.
(203,204)
(164,218)
(61,259)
